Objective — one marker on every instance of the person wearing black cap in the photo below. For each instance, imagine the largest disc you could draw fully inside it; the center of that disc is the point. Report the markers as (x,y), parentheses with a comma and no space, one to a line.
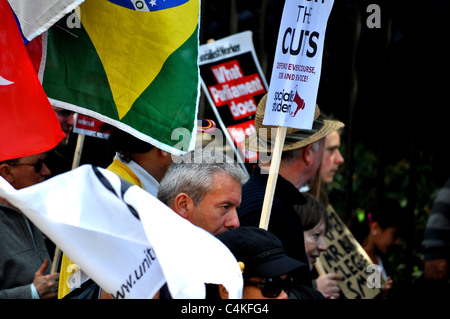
(266,268)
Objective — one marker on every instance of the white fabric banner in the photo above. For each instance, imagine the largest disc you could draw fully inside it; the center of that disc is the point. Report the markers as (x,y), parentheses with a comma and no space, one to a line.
(125,239)
(37,16)
(294,83)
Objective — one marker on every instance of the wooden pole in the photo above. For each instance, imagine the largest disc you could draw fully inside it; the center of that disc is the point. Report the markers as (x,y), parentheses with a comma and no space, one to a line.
(75,164)
(78,150)
(56,257)
(273,175)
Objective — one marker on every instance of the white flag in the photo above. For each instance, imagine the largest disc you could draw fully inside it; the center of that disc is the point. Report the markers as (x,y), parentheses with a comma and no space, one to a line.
(35,17)
(124,238)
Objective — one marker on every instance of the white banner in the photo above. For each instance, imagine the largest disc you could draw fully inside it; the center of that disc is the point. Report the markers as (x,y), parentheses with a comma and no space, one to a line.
(297,65)
(37,16)
(125,239)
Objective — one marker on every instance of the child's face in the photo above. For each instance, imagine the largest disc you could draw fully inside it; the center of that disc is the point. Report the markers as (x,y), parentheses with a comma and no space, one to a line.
(388,237)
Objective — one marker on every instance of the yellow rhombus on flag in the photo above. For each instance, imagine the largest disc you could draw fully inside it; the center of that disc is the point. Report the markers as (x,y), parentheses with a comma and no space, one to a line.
(132,64)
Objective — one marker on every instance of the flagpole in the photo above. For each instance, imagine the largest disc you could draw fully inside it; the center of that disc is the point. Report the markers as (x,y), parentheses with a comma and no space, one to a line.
(273,176)
(75,164)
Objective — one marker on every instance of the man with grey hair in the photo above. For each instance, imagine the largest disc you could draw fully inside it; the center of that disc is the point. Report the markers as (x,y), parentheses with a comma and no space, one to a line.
(204,187)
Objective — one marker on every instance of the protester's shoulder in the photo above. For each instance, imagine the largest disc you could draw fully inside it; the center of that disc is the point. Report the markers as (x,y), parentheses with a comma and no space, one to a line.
(447,183)
(8,214)
(249,211)
(441,203)
(2,211)
(253,193)
(12,227)
(444,194)
(4,208)
(304,292)
(254,185)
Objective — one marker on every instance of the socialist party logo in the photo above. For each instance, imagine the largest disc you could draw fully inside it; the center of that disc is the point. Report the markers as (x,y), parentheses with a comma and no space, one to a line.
(148,5)
(288,102)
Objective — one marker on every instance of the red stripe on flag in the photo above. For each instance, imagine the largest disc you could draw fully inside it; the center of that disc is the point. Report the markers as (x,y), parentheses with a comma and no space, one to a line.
(28,124)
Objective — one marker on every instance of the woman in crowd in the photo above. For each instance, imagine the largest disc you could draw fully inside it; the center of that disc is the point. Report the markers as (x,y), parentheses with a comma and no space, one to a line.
(315,225)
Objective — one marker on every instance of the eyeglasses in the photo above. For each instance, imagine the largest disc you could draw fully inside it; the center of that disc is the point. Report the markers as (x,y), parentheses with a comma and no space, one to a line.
(272,287)
(37,166)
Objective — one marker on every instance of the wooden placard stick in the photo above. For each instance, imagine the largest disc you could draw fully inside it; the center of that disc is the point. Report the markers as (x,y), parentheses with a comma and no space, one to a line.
(75,164)
(272,179)
(78,150)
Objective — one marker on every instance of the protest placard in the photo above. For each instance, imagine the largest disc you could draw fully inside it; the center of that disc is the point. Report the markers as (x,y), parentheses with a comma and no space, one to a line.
(292,95)
(89,126)
(346,257)
(297,64)
(233,83)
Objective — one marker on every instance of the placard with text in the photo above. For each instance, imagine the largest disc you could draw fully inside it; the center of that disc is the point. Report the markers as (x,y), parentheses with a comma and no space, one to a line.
(233,82)
(297,64)
(346,257)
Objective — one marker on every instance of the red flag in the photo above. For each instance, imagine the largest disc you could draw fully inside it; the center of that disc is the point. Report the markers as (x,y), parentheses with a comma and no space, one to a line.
(28,124)
(34,49)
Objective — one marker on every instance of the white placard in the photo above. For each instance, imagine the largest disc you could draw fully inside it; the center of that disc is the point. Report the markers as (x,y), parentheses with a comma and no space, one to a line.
(297,65)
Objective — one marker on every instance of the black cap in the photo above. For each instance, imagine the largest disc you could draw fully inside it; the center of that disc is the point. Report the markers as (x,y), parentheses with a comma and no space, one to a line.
(260,251)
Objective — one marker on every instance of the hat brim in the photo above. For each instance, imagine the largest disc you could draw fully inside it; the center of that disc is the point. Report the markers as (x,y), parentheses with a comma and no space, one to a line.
(275,266)
(297,139)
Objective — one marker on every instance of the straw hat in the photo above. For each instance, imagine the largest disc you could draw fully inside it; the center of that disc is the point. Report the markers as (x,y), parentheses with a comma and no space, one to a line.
(262,140)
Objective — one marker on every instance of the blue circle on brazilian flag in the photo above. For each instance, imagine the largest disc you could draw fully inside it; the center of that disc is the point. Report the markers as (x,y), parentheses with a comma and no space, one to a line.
(148,5)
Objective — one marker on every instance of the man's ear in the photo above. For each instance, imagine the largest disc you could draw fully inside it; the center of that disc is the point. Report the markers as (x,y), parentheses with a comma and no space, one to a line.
(163,153)
(223,292)
(307,154)
(167,158)
(183,205)
(6,173)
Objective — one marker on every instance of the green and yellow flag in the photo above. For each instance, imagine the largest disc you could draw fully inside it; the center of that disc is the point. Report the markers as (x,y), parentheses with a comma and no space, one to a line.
(129,63)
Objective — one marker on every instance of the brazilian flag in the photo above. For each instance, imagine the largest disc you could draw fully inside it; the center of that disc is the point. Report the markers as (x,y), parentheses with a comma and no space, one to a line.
(132,64)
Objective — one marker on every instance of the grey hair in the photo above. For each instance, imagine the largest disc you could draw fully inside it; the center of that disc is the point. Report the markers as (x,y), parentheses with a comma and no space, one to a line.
(193,174)
(316,145)
(289,156)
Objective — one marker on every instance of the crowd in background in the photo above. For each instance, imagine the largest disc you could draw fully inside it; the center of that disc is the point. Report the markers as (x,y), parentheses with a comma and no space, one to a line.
(219,197)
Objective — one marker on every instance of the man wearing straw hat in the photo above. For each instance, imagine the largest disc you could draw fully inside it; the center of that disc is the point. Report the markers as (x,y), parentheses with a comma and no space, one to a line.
(300,159)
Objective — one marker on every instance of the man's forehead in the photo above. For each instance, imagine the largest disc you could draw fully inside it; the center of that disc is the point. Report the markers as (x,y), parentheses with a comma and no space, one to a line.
(34,156)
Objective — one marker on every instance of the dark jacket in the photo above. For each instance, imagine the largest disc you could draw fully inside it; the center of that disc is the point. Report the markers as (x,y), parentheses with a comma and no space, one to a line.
(22,253)
(284,221)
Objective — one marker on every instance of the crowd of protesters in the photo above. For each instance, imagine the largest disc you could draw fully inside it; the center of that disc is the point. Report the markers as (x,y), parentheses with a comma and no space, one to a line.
(215,194)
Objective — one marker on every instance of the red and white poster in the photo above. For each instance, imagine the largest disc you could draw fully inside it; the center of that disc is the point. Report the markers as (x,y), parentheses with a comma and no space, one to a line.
(233,82)
(89,126)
